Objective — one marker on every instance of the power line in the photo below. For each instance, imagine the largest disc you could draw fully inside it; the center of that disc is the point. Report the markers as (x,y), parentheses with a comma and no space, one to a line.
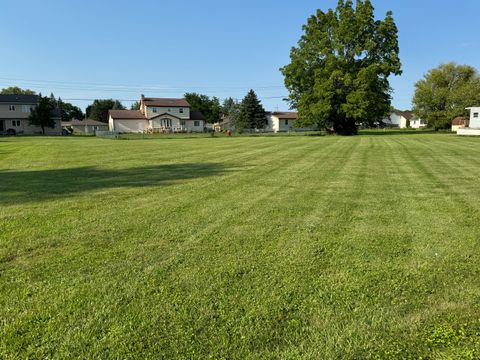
(75,85)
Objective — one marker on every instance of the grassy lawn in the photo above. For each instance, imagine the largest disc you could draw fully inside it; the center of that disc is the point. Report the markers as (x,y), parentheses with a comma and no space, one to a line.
(252,247)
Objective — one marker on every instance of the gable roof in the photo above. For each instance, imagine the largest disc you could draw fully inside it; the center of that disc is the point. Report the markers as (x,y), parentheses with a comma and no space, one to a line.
(127,114)
(407,114)
(18,99)
(165,102)
(165,114)
(285,115)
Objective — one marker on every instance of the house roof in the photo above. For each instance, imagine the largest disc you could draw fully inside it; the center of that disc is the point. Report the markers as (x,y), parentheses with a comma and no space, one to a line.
(18,99)
(460,121)
(196,115)
(286,115)
(407,114)
(164,102)
(165,114)
(90,122)
(127,114)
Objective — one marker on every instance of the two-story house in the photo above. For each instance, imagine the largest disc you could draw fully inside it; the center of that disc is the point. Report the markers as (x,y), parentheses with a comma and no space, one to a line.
(14,114)
(157,115)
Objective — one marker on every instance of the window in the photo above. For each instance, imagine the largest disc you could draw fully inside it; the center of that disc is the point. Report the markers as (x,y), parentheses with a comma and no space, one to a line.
(169,110)
(154,110)
(26,108)
(15,122)
(286,122)
(180,110)
(475,115)
(11,107)
(196,123)
(182,122)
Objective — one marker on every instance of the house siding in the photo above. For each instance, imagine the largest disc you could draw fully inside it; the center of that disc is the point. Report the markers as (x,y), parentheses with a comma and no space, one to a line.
(175,111)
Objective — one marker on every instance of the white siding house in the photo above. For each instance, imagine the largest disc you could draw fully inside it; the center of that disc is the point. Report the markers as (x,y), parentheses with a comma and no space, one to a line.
(157,115)
(474,117)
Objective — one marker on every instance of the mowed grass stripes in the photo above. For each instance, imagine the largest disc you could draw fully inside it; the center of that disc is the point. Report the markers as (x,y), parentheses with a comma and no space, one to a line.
(253,247)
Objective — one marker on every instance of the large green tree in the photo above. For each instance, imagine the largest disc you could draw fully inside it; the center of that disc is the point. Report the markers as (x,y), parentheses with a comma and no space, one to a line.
(42,114)
(252,114)
(445,92)
(209,107)
(338,74)
(99,109)
(15,90)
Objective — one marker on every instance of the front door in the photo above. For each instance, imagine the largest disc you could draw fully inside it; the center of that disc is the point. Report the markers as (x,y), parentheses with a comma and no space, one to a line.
(2,128)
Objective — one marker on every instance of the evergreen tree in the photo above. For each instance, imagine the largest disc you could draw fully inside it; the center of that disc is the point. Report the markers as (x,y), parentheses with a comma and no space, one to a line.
(252,114)
(41,115)
(338,75)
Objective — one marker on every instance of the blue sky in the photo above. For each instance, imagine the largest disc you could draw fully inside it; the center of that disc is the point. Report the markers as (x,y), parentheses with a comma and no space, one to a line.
(100,49)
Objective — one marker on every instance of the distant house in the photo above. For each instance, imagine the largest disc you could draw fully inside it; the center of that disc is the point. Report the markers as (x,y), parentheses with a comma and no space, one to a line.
(460,122)
(416,123)
(14,114)
(87,126)
(157,115)
(403,120)
(399,119)
(281,121)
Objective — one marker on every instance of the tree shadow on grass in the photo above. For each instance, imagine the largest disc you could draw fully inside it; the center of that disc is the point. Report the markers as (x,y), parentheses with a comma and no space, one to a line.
(28,186)
(391,132)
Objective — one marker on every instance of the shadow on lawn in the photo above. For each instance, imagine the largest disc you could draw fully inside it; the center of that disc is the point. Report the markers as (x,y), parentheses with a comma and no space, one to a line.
(25,186)
(396,132)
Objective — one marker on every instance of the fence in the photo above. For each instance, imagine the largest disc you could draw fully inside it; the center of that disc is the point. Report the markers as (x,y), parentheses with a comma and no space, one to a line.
(107,134)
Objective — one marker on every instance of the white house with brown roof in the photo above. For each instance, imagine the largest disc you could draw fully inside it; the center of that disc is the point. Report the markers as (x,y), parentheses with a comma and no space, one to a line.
(282,121)
(15,113)
(157,115)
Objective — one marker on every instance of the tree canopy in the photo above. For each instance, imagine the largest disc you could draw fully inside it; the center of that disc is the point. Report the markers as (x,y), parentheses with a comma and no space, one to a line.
(99,109)
(209,107)
(42,114)
(252,114)
(231,110)
(135,105)
(445,92)
(15,90)
(338,74)
(68,111)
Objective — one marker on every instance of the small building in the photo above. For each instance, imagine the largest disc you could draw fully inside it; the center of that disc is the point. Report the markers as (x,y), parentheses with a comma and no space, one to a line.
(399,119)
(474,117)
(15,112)
(157,115)
(473,128)
(459,123)
(416,123)
(87,126)
(282,121)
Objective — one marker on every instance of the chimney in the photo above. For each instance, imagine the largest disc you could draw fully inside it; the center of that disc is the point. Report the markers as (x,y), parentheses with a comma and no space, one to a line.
(142,106)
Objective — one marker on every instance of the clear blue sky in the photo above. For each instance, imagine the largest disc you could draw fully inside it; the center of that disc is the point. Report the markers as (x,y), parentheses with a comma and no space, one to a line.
(100,49)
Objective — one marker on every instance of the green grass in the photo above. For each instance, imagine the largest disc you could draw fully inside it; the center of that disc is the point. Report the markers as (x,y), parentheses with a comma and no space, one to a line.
(254,247)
